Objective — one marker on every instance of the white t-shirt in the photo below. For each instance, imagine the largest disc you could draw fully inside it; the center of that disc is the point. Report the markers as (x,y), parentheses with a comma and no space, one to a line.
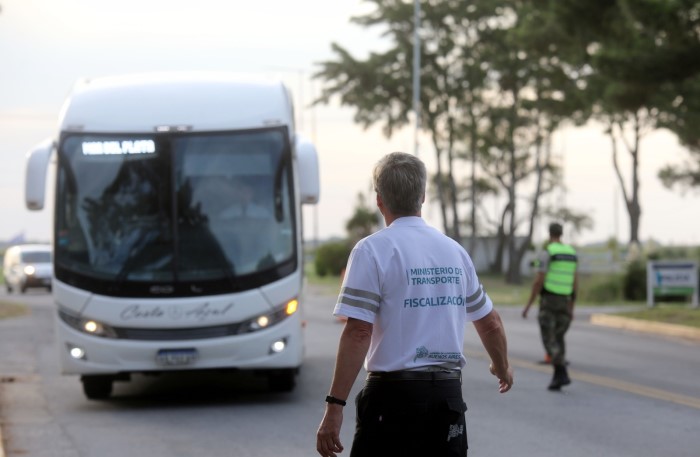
(418,288)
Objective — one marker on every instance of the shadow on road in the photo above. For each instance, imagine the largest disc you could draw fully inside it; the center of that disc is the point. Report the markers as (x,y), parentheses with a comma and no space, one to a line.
(176,390)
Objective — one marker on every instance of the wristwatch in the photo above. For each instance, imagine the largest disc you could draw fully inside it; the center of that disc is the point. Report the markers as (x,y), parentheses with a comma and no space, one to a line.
(337,401)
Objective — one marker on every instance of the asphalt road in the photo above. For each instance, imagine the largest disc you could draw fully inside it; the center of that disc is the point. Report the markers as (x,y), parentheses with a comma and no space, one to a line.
(632,395)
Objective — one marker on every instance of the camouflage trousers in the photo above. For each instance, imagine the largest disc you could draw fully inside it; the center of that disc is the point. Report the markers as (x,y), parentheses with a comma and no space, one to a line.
(554,320)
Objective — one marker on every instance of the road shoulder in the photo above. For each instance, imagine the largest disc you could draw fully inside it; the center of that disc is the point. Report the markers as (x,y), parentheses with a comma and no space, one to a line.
(638,325)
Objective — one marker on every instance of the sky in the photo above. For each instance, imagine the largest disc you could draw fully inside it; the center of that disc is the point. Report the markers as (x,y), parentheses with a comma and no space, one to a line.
(46,45)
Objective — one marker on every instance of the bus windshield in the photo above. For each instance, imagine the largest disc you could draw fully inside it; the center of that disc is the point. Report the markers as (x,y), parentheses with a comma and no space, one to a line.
(174,213)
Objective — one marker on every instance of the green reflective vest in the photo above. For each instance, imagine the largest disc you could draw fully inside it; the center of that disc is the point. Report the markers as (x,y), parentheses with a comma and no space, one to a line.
(561,270)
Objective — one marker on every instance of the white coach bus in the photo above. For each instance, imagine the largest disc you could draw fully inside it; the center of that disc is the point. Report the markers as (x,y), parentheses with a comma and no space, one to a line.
(177,227)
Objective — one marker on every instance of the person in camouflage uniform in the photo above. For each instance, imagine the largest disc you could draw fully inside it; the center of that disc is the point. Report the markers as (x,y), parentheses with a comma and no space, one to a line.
(556,283)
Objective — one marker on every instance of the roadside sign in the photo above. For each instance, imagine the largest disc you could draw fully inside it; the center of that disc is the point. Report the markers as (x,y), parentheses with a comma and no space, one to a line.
(668,278)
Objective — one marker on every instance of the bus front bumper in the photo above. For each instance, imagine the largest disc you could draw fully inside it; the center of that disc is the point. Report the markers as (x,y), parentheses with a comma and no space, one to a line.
(278,347)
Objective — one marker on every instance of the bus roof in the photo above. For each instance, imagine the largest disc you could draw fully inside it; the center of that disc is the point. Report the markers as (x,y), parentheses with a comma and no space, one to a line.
(175,101)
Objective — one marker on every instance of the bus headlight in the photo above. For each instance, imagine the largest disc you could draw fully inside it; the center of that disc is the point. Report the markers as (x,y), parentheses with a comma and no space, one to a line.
(29,270)
(261,322)
(96,328)
(264,321)
(89,326)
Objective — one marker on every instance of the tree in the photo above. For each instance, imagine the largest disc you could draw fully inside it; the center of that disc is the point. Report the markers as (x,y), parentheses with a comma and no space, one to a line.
(640,122)
(531,95)
(379,87)
(682,115)
(644,74)
(364,221)
(492,92)
(332,257)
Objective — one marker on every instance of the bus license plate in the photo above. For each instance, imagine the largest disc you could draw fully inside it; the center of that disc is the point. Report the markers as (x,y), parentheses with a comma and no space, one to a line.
(176,357)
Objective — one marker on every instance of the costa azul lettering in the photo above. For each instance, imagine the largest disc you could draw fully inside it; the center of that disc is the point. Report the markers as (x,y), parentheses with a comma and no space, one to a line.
(433,275)
(423,302)
(200,313)
(206,311)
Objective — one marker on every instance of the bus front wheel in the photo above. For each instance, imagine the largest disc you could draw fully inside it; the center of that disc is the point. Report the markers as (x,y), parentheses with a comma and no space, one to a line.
(97,387)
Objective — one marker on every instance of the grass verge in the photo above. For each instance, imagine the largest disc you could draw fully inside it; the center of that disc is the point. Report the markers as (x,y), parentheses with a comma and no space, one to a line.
(11,309)
(329,283)
(504,294)
(678,314)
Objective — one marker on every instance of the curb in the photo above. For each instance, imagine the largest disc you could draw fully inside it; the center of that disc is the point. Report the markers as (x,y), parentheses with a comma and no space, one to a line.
(659,328)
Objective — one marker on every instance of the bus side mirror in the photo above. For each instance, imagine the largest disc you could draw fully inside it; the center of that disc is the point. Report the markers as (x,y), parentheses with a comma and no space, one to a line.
(35,182)
(307,159)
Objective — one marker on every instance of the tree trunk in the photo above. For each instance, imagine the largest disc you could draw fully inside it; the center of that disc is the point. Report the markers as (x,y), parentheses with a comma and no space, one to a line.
(456,235)
(512,276)
(515,273)
(632,204)
(634,209)
(440,187)
(473,143)
(502,239)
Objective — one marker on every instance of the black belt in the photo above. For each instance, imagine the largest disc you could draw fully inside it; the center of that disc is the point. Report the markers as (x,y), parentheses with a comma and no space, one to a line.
(406,375)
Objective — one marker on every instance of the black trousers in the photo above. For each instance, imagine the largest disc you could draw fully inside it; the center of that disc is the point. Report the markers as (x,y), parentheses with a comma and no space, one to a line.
(410,418)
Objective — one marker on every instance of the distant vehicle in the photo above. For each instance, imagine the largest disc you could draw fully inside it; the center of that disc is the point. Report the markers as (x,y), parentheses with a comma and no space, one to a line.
(178,227)
(28,266)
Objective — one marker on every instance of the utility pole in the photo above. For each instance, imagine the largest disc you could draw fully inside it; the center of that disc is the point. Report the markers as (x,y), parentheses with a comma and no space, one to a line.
(416,72)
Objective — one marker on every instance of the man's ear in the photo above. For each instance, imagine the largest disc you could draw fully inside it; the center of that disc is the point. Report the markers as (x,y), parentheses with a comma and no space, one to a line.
(380,204)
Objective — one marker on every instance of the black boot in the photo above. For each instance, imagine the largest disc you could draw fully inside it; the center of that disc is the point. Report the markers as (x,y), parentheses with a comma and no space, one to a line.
(560,378)
(564,376)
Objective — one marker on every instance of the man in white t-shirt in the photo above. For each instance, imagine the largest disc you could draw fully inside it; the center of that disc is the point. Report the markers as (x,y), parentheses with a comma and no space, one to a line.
(408,292)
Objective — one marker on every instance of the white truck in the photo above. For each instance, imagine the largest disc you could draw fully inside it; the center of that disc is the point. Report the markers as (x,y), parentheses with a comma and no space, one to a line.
(177,227)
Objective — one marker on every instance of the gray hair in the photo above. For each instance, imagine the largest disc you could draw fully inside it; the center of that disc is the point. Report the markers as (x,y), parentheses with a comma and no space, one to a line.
(400,180)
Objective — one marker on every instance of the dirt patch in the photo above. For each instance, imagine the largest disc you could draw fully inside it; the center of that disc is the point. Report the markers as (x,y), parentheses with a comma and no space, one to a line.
(11,309)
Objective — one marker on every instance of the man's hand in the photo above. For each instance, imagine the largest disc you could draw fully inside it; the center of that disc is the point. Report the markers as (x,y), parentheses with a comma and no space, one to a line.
(352,349)
(505,378)
(328,435)
(493,337)
(571,309)
(536,289)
